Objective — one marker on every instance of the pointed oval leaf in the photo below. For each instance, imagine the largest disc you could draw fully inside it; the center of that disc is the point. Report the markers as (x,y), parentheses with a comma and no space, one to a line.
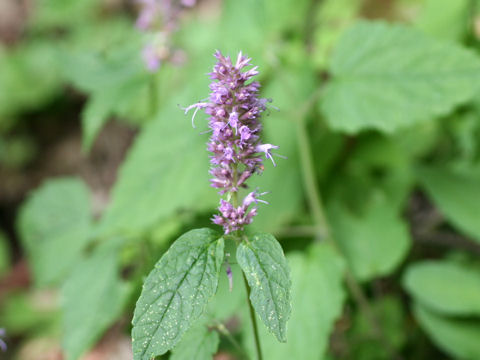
(268,275)
(176,292)
(457,337)
(388,76)
(456,194)
(317,302)
(445,287)
(374,242)
(55,220)
(93,298)
(162,173)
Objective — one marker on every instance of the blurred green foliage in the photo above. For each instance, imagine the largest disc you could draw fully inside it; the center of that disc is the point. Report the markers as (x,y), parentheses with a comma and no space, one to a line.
(388,96)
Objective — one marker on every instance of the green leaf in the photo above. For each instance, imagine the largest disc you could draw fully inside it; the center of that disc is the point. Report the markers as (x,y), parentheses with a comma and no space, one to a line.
(279,129)
(261,259)
(103,104)
(378,170)
(389,312)
(390,76)
(317,302)
(226,304)
(250,16)
(445,287)
(457,337)
(457,195)
(199,343)
(58,13)
(4,254)
(166,170)
(284,15)
(445,19)
(54,225)
(29,313)
(94,116)
(116,81)
(332,18)
(176,292)
(374,242)
(93,298)
(34,62)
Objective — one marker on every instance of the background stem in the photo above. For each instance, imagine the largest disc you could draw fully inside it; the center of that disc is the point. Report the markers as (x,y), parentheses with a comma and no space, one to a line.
(225,332)
(308,175)
(254,321)
(323,231)
(153,95)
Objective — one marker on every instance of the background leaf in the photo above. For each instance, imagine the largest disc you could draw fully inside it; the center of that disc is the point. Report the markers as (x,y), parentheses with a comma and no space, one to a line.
(116,82)
(176,292)
(457,195)
(58,13)
(160,177)
(4,254)
(444,19)
(445,287)
(55,220)
(391,318)
(332,18)
(374,242)
(93,298)
(457,337)
(268,275)
(31,63)
(389,76)
(283,181)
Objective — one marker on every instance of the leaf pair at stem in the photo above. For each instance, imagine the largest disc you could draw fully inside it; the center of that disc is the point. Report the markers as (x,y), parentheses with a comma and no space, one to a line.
(176,292)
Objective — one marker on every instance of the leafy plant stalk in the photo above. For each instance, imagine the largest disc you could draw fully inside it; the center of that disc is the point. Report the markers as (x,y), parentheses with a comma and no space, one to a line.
(195,258)
(153,91)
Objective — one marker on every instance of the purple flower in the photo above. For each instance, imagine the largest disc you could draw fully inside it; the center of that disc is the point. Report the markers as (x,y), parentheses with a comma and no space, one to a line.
(266,148)
(151,58)
(236,152)
(148,13)
(3,345)
(160,17)
(188,3)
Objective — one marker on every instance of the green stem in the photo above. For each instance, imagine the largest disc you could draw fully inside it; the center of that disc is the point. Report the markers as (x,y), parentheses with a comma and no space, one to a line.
(472,12)
(254,320)
(314,198)
(153,95)
(318,213)
(225,332)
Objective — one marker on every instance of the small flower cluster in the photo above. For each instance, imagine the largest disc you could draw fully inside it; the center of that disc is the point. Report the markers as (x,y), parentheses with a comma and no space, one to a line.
(235,109)
(160,18)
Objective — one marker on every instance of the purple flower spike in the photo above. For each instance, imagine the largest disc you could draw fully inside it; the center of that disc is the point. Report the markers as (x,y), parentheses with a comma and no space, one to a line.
(148,13)
(236,151)
(159,19)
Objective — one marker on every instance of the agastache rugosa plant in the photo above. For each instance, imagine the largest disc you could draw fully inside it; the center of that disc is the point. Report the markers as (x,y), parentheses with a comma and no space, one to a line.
(176,292)
(159,19)
(235,144)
